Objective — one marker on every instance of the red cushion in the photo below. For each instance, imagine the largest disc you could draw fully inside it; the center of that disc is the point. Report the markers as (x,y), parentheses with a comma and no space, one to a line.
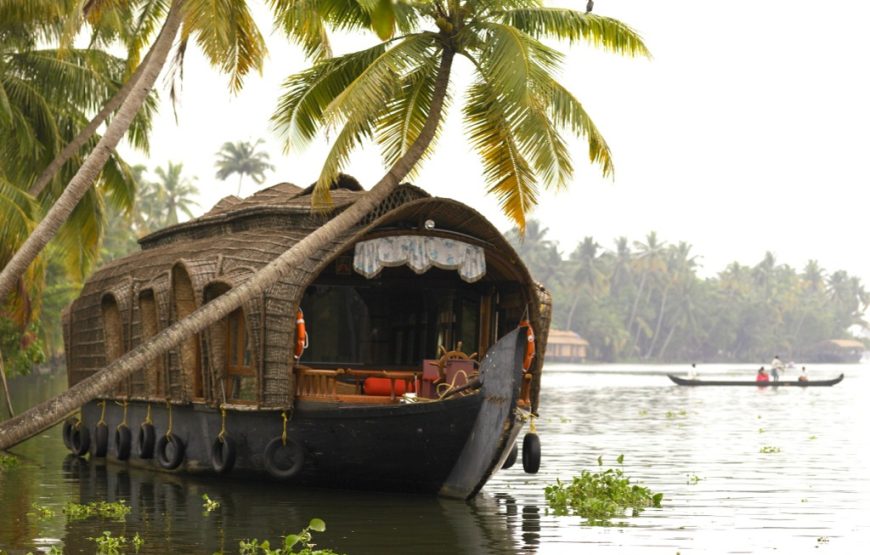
(381,386)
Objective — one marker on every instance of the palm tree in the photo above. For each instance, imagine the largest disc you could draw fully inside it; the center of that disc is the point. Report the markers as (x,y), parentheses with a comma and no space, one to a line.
(175,192)
(680,268)
(649,260)
(243,158)
(587,275)
(396,92)
(539,253)
(230,40)
(46,94)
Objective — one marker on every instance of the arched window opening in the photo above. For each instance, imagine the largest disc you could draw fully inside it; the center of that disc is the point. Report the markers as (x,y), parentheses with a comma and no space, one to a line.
(113,334)
(231,353)
(184,303)
(113,328)
(241,377)
(154,372)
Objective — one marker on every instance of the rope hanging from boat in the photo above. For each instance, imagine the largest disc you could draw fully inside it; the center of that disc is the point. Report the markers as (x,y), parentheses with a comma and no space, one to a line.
(284,433)
(223,431)
(124,420)
(102,413)
(148,414)
(169,427)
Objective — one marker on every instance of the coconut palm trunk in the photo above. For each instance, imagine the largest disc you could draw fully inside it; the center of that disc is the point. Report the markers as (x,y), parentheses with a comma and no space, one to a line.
(90,169)
(48,413)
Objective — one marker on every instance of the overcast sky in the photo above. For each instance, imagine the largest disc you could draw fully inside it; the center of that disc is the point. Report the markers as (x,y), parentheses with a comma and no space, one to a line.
(747,132)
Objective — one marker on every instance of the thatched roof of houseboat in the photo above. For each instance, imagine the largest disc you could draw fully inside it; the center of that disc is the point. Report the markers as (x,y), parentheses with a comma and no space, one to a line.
(229,243)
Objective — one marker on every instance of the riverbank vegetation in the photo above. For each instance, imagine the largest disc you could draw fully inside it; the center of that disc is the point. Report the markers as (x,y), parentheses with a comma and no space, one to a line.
(645,301)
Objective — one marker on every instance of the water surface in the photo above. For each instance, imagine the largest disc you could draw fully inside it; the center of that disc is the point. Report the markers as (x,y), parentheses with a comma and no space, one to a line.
(701,447)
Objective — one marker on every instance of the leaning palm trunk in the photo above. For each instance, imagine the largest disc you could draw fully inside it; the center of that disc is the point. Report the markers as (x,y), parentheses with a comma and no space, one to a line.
(87,173)
(46,414)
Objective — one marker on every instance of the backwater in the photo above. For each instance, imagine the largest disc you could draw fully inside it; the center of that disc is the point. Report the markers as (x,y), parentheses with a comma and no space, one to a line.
(742,470)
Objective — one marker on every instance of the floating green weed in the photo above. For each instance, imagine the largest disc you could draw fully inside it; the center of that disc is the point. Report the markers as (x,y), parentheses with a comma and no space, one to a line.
(209,504)
(812,437)
(107,544)
(767,449)
(41,512)
(600,496)
(760,430)
(116,510)
(302,539)
(693,479)
(643,412)
(7,461)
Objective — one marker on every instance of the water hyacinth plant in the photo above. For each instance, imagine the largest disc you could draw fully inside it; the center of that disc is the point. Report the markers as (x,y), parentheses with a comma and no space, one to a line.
(116,510)
(601,496)
(301,540)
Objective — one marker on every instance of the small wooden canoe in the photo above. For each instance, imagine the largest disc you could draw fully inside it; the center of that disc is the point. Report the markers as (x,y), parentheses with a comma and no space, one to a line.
(781,383)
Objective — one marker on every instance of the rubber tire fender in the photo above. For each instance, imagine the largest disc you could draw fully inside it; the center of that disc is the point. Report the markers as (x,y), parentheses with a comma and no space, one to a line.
(101,439)
(145,441)
(167,462)
(123,442)
(297,458)
(80,440)
(512,457)
(67,429)
(223,454)
(531,453)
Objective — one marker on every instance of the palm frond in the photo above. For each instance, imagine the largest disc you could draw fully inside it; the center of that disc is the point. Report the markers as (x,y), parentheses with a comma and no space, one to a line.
(566,24)
(406,114)
(227,35)
(117,185)
(79,237)
(304,24)
(40,131)
(80,78)
(381,79)
(506,172)
(5,106)
(569,113)
(349,138)
(19,212)
(299,114)
(511,56)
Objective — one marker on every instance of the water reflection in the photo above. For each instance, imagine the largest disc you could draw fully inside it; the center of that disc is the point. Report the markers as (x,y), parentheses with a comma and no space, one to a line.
(167,512)
(702,447)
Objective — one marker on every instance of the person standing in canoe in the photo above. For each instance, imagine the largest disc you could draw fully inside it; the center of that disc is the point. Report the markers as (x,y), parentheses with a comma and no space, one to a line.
(762,376)
(803,377)
(776,366)
(693,372)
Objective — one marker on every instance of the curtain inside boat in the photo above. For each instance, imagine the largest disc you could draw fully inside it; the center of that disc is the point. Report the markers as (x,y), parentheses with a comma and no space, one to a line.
(419,253)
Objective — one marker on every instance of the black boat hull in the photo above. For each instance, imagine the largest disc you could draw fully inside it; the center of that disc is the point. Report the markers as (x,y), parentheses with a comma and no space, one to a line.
(450,447)
(782,383)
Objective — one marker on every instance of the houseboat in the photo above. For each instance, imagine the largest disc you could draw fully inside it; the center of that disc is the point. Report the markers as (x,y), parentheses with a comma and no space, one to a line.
(405,355)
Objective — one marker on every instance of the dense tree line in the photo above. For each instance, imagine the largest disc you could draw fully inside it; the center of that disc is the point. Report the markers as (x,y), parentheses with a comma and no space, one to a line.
(644,300)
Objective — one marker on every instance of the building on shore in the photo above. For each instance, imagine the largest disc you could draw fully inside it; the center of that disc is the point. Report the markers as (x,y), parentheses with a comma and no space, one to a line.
(566,346)
(837,350)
